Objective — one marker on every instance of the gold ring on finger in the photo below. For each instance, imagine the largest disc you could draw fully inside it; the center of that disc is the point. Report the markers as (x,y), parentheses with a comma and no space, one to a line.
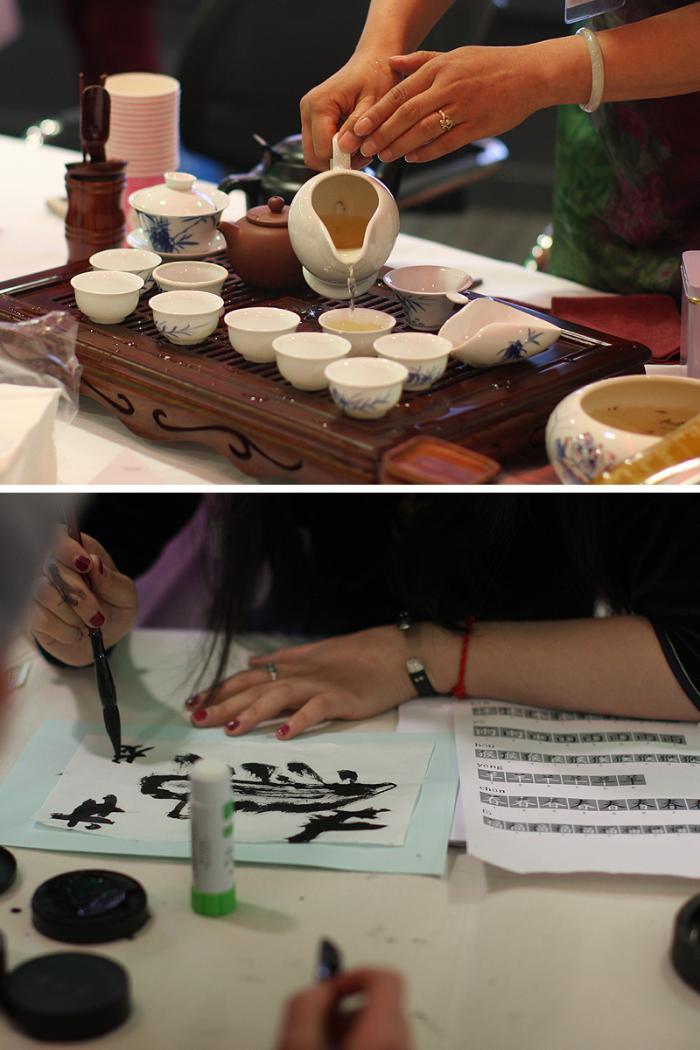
(446,123)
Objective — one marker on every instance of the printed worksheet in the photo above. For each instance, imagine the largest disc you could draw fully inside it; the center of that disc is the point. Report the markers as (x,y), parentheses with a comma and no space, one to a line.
(553,791)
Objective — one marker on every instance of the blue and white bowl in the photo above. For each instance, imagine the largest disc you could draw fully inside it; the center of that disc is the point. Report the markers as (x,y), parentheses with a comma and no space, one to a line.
(424,355)
(176,219)
(486,332)
(423,293)
(366,387)
(186,318)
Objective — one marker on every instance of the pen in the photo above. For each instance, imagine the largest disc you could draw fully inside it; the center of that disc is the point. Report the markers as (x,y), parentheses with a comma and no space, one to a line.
(103,673)
(329,962)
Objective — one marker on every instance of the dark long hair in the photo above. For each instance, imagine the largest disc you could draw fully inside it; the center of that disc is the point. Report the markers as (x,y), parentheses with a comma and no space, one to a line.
(337,563)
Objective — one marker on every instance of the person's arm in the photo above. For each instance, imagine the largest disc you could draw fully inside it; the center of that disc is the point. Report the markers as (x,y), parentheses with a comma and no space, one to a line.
(612,666)
(488,90)
(391,27)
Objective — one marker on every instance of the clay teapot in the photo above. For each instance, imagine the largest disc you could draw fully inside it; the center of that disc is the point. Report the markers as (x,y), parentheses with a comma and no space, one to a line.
(260,249)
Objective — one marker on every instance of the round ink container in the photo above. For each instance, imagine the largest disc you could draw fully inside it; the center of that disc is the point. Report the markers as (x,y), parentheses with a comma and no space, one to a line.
(67,996)
(8,869)
(89,907)
(685,948)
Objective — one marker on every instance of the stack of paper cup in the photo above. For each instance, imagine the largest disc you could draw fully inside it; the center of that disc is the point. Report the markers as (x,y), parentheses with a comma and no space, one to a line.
(144,126)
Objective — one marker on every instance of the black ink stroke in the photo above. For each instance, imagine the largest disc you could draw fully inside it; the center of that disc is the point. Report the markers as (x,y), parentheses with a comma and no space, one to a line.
(91,813)
(129,752)
(338,821)
(265,789)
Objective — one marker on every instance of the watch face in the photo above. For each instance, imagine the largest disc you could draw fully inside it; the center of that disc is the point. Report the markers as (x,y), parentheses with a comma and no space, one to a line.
(414,665)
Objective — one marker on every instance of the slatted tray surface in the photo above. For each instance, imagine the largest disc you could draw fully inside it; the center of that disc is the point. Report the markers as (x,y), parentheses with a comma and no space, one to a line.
(249,413)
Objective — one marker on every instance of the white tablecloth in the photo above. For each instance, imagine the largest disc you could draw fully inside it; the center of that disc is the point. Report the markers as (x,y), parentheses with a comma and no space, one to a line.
(492,960)
(96,449)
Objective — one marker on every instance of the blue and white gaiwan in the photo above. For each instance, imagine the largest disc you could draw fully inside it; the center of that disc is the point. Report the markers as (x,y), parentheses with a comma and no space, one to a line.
(177,220)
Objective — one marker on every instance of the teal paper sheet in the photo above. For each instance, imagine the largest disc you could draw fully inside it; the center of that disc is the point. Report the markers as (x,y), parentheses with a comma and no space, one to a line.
(52,746)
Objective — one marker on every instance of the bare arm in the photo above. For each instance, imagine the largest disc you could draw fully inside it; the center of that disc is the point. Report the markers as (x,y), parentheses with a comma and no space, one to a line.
(488,90)
(397,26)
(611,666)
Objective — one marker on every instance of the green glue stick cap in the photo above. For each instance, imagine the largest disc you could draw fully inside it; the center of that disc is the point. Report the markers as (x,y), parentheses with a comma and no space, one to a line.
(213,904)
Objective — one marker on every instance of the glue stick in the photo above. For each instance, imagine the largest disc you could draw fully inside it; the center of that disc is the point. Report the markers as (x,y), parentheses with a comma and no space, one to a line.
(213,875)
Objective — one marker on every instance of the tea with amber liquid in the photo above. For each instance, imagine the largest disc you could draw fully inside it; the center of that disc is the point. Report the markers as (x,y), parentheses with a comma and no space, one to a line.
(347,231)
(642,419)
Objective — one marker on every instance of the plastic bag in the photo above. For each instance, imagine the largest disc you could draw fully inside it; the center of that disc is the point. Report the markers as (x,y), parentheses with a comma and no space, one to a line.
(41,352)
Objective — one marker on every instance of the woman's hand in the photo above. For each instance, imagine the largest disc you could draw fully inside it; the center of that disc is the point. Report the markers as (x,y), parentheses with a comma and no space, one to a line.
(352,676)
(311,1020)
(338,102)
(81,588)
(483,90)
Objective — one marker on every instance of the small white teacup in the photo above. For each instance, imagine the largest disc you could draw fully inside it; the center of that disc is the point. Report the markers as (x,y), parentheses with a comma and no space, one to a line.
(128,260)
(252,330)
(366,387)
(186,318)
(422,292)
(302,357)
(424,355)
(190,276)
(360,325)
(106,296)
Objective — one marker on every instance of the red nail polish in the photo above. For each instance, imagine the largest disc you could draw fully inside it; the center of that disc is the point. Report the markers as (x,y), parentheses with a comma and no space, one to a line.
(199,716)
(97,620)
(193,701)
(283,730)
(233,725)
(82,563)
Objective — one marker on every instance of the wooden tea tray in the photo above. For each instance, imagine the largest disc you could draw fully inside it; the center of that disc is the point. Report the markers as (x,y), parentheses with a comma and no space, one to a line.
(249,414)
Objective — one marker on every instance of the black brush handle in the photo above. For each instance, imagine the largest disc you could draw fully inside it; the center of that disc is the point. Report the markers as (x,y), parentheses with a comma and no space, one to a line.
(103,673)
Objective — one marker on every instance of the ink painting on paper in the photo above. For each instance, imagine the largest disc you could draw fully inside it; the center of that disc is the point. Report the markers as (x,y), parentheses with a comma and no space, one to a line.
(297,792)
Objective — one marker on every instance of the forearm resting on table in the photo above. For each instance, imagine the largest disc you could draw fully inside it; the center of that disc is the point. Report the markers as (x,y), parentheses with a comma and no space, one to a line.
(396,27)
(610,666)
(654,58)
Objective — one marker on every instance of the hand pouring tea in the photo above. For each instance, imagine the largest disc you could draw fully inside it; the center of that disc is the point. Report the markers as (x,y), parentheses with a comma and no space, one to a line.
(342,225)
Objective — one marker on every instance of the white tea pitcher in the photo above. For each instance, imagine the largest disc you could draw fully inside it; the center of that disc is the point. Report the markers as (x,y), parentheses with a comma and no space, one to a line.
(342,225)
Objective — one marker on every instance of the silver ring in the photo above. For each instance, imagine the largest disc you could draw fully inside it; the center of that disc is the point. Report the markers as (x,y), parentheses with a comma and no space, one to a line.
(272,671)
(446,123)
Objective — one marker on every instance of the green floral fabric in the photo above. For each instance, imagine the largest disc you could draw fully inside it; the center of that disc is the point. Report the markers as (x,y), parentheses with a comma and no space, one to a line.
(627,191)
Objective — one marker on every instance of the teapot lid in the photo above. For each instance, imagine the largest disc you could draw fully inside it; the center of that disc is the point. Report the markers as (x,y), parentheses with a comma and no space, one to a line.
(177,196)
(274,213)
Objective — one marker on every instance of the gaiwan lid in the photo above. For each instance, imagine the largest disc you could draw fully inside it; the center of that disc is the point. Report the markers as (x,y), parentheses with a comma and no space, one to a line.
(177,197)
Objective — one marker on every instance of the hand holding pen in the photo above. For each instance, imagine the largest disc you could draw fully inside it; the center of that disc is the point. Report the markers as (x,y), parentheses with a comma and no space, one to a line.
(81,589)
(311,1016)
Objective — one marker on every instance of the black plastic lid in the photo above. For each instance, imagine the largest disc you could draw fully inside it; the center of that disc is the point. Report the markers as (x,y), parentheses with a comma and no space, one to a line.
(67,996)
(685,950)
(89,907)
(8,869)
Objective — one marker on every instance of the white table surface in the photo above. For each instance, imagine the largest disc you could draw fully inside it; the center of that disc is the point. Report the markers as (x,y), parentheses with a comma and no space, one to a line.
(493,961)
(96,449)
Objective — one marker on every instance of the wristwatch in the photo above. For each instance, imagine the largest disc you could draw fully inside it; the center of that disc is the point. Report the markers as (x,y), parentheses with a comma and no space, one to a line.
(419,676)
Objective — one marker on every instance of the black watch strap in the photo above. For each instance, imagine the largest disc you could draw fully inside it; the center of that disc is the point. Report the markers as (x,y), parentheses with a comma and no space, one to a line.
(419,676)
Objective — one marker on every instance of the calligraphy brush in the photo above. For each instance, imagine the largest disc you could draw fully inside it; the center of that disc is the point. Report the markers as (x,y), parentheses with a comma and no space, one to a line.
(103,673)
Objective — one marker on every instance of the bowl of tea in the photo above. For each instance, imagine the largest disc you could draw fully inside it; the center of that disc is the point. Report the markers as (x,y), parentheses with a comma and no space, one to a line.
(601,425)
(360,325)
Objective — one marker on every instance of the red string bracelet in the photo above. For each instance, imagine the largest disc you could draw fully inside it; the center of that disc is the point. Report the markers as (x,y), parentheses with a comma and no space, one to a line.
(459,689)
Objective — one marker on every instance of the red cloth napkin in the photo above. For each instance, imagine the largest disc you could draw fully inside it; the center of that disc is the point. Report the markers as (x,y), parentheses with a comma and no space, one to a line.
(653,320)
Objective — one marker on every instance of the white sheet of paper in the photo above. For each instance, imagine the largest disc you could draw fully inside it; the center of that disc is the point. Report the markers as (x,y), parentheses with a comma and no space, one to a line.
(549,791)
(299,788)
(435,716)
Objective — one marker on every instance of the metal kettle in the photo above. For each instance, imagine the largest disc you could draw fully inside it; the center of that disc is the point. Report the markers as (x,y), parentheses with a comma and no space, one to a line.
(281,172)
